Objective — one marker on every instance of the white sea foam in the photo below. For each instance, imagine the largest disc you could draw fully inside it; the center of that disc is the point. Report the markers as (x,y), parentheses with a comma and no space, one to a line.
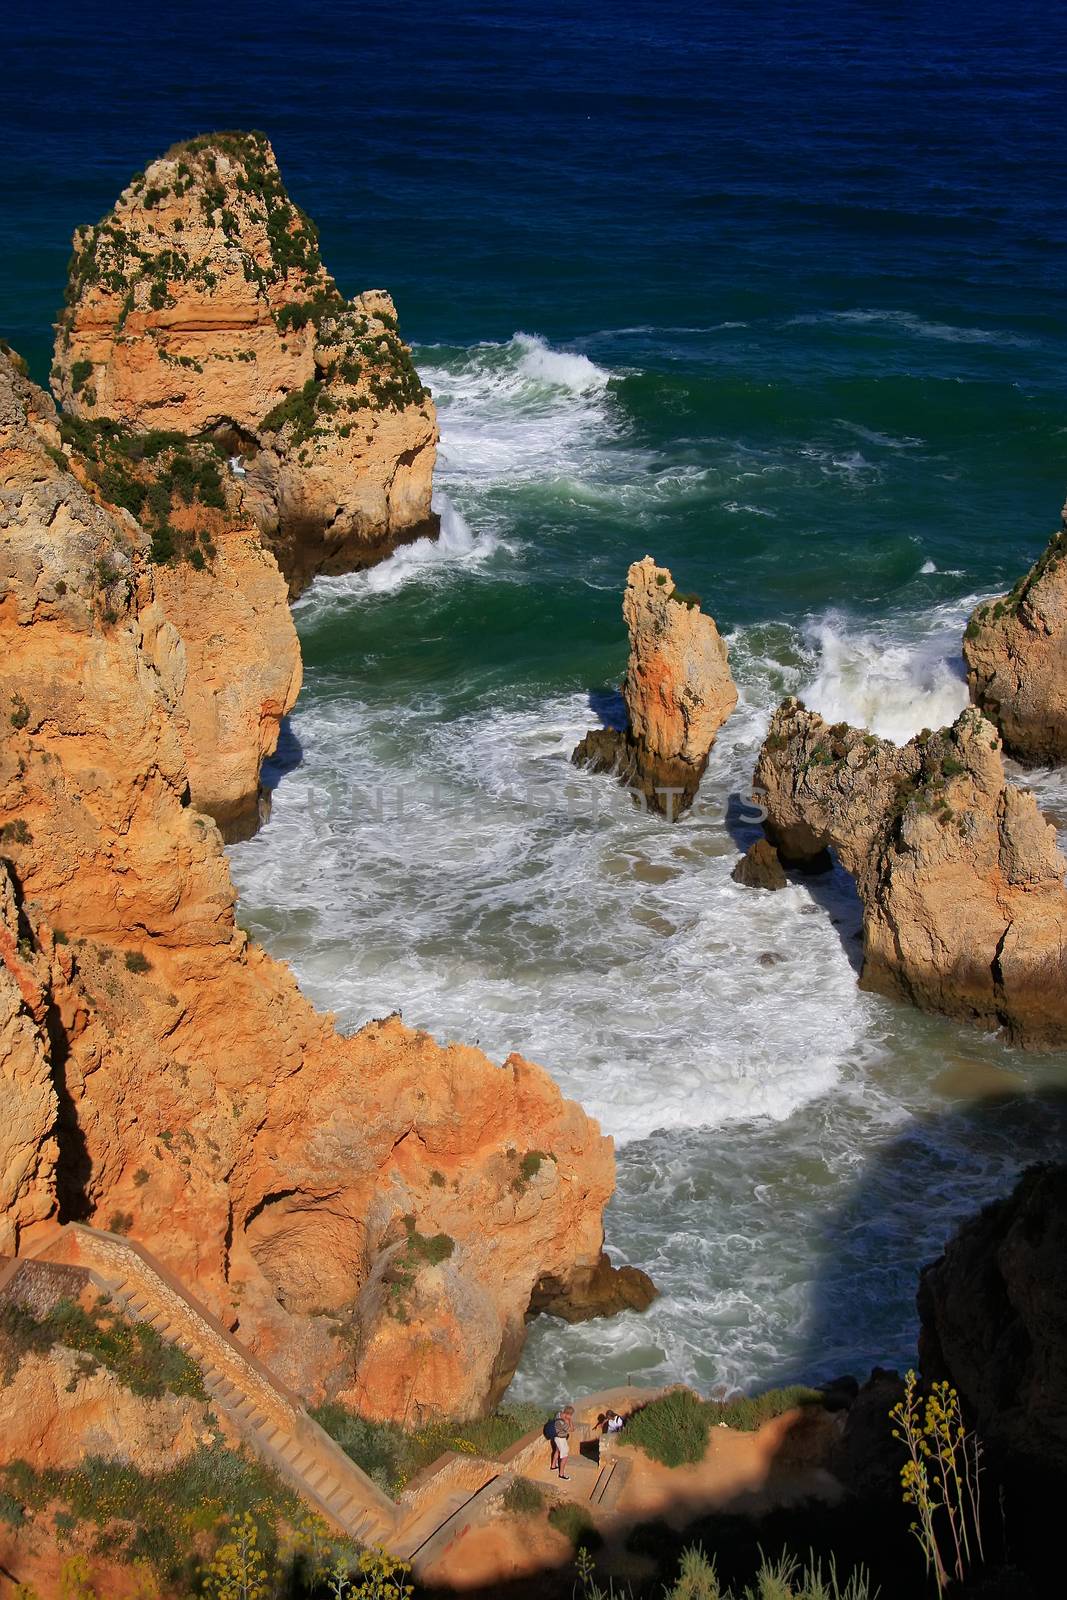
(516,411)
(452,865)
(425,560)
(894,682)
(908,322)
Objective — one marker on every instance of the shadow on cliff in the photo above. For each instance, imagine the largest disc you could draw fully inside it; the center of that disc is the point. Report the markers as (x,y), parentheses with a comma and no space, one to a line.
(609,708)
(286,758)
(831,889)
(904,1207)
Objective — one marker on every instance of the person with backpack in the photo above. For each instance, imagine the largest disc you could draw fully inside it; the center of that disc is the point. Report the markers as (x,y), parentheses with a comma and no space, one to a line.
(557,1432)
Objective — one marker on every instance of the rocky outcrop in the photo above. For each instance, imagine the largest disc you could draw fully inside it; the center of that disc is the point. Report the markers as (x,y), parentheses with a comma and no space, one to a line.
(993,1312)
(678,693)
(239,671)
(964,906)
(1016,654)
(196,1099)
(242,671)
(600,1291)
(200,304)
(28,1103)
(760,867)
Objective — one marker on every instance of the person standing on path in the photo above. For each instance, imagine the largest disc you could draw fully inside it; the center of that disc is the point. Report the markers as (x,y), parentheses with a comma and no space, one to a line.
(562,1441)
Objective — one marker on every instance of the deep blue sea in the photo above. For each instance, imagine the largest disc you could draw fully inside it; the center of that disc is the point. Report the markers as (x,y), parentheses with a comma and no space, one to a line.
(776,293)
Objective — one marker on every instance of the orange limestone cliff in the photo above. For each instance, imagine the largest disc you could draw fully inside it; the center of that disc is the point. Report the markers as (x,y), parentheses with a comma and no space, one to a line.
(366,1212)
(678,693)
(964,905)
(1016,654)
(200,304)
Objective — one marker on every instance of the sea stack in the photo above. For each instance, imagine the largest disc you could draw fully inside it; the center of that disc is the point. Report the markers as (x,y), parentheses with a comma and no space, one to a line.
(964,905)
(1016,654)
(200,305)
(678,693)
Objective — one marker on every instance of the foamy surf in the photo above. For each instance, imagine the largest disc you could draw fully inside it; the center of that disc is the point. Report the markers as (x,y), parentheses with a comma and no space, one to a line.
(516,411)
(425,560)
(893,685)
(435,851)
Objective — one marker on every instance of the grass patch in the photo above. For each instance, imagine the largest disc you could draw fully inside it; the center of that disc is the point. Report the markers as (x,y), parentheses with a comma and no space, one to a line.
(159,1517)
(748,1413)
(675,1428)
(575,1522)
(392,1455)
(523,1498)
(141,1361)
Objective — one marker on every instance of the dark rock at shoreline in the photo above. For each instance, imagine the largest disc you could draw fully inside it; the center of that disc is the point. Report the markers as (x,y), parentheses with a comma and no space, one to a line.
(993,1313)
(598,1291)
(760,867)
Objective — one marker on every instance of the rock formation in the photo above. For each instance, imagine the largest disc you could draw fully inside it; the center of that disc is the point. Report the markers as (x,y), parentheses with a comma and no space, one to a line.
(200,304)
(678,693)
(1016,654)
(365,1210)
(964,906)
(760,867)
(993,1311)
(220,589)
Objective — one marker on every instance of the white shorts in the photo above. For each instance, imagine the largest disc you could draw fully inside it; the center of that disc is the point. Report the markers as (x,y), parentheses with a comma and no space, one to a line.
(563,1446)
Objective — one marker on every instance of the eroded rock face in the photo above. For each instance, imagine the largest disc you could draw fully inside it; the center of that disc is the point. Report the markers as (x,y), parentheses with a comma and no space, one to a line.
(1016,654)
(242,671)
(28,1104)
(265,1159)
(964,906)
(200,303)
(760,867)
(993,1311)
(678,694)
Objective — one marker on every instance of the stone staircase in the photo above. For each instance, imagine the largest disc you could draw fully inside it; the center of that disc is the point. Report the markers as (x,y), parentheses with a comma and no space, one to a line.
(457,1493)
(267,1416)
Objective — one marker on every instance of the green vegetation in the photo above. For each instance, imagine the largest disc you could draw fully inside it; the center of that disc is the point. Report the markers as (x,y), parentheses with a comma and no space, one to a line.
(20,711)
(748,1413)
(690,601)
(137,961)
(574,1521)
(80,373)
(17,361)
(529,1167)
(159,1517)
(16,832)
(392,1455)
(675,1428)
(785,1579)
(140,1360)
(150,475)
(297,411)
(523,1498)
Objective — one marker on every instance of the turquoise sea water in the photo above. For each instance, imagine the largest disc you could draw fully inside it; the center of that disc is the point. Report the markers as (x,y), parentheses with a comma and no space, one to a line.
(775,294)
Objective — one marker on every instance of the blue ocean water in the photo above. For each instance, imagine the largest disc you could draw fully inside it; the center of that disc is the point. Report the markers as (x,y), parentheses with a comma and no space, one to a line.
(776,293)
